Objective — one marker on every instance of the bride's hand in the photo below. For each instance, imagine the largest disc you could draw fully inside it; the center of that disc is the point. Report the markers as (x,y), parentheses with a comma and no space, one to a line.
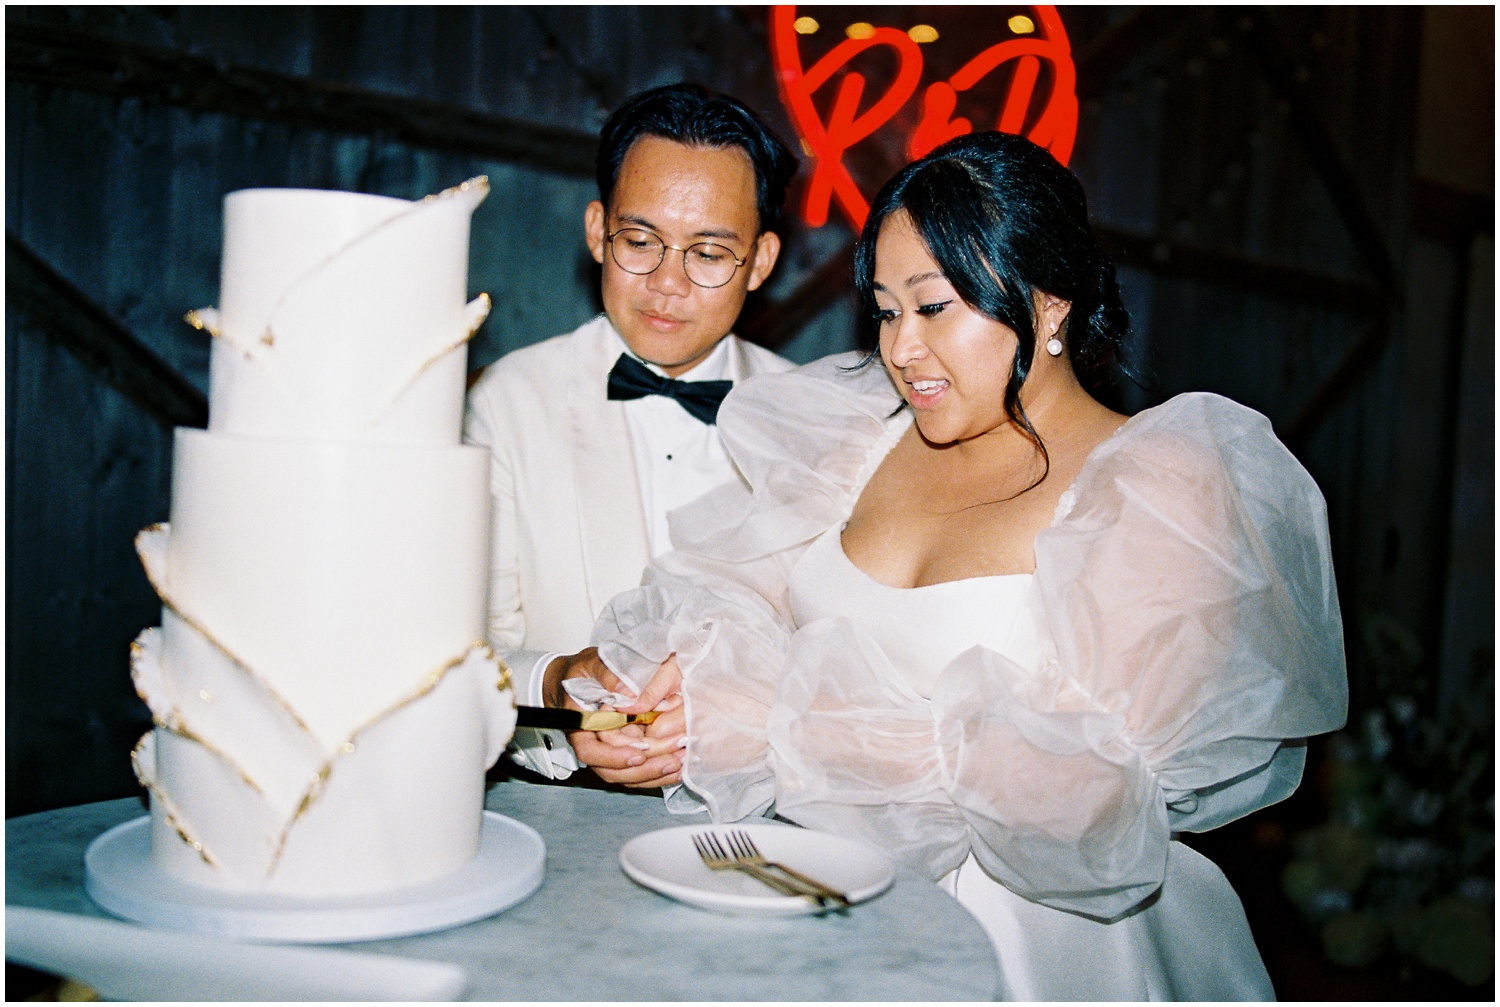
(663,692)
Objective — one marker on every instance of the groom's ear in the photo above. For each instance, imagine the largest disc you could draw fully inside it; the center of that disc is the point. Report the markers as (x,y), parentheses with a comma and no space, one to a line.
(763,259)
(593,230)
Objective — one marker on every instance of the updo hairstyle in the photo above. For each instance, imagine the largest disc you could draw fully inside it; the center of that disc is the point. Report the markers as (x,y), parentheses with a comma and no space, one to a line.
(1003,218)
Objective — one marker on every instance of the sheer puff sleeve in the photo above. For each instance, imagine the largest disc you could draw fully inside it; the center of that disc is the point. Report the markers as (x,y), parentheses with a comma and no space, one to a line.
(1191,637)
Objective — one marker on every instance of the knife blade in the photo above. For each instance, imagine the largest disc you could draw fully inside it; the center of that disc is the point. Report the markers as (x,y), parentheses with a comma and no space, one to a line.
(578,720)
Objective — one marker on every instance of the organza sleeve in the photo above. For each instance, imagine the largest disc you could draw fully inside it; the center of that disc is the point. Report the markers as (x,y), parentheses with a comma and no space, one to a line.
(1190,632)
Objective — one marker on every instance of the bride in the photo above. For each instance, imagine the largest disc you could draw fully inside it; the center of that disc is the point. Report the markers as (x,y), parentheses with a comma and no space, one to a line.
(966,613)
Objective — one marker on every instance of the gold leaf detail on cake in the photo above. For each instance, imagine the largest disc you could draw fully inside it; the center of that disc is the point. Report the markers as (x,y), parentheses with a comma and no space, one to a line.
(175,725)
(177,610)
(268,338)
(205,695)
(430,681)
(503,680)
(182,833)
(204,319)
(314,789)
(138,653)
(479,183)
(320,779)
(141,775)
(475,312)
(309,797)
(207,320)
(170,811)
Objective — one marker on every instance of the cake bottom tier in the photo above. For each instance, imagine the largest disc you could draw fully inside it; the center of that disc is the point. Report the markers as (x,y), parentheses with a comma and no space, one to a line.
(397,804)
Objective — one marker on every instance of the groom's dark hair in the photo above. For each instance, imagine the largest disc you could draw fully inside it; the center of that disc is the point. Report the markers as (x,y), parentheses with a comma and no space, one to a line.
(696,117)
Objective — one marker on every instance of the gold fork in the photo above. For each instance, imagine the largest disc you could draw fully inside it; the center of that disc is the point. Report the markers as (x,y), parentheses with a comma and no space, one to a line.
(713,856)
(746,852)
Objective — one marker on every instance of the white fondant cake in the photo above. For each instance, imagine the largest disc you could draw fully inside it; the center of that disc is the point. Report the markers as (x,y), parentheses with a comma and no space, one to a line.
(324,715)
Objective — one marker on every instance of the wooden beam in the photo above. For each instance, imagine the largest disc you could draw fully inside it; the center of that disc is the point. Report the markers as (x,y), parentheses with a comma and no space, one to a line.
(46,301)
(1361,355)
(1288,80)
(1443,215)
(1221,267)
(66,58)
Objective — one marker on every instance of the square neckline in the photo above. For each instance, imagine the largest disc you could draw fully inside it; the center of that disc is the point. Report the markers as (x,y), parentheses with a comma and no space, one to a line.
(898,424)
(837,531)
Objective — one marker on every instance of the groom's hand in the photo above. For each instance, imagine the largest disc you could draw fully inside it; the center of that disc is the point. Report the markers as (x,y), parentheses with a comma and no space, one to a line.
(584,664)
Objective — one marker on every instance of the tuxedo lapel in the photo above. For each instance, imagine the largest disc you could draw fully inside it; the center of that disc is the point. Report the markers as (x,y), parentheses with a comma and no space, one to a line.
(612,522)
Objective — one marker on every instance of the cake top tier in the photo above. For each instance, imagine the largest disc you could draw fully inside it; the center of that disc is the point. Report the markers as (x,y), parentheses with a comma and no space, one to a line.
(342,315)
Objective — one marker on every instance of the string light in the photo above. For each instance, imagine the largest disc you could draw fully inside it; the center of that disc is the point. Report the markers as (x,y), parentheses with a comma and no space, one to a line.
(860,29)
(805,25)
(1021,25)
(922,33)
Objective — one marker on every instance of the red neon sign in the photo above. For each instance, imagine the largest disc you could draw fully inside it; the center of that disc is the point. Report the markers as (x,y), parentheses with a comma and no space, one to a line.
(1054,126)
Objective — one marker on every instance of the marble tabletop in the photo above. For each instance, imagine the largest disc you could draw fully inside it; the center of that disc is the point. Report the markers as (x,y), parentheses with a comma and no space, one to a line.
(589,933)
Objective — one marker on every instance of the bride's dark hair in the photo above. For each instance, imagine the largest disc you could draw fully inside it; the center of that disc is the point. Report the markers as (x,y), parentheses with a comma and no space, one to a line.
(1003,219)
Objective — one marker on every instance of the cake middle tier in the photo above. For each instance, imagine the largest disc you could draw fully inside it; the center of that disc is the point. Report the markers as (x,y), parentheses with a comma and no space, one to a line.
(340,574)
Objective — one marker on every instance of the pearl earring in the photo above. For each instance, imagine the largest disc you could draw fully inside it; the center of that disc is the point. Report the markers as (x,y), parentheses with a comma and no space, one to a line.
(1054,346)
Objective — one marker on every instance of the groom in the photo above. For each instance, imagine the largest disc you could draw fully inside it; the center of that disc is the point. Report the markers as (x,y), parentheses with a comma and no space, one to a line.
(597,434)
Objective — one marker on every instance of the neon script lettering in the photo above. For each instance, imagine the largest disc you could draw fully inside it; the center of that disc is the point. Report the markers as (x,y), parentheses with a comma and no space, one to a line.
(827,141)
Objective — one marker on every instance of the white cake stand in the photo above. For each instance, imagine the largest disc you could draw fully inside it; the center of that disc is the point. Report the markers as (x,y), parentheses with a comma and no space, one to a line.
(121,877)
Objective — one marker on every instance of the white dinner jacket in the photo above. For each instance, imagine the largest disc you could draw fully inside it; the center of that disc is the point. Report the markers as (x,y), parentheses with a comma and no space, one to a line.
(568,530)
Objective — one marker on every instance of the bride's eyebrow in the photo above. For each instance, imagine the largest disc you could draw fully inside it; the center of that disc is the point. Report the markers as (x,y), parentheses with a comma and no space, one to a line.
(936,274)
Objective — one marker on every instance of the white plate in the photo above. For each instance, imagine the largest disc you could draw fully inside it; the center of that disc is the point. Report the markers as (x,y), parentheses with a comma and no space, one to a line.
(665,861)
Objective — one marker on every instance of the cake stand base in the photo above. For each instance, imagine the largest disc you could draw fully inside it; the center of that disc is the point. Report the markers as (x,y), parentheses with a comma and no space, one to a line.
(121,877)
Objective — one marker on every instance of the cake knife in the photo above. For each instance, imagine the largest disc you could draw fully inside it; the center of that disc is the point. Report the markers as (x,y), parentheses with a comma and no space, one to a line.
(578,720)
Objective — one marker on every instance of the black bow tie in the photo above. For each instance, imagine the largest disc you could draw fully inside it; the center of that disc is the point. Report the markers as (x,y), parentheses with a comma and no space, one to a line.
(630,379)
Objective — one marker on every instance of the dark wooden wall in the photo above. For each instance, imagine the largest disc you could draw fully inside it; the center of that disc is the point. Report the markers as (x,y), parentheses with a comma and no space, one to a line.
(1252,170)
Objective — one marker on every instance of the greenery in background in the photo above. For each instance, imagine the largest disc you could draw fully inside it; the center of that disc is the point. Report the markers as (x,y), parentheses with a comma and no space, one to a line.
(1404,865)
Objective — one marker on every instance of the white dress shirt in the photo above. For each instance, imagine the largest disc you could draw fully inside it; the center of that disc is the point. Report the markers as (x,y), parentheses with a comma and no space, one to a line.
(678,458)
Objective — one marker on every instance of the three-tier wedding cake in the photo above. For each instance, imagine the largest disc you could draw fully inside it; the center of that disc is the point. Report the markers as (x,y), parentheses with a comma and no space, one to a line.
(323,713)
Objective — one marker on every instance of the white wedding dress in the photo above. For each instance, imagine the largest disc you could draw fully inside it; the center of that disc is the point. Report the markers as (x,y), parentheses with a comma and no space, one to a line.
(1032,743)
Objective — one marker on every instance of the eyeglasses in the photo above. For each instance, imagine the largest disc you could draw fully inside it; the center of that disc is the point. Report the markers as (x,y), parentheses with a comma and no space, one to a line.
(641,252)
